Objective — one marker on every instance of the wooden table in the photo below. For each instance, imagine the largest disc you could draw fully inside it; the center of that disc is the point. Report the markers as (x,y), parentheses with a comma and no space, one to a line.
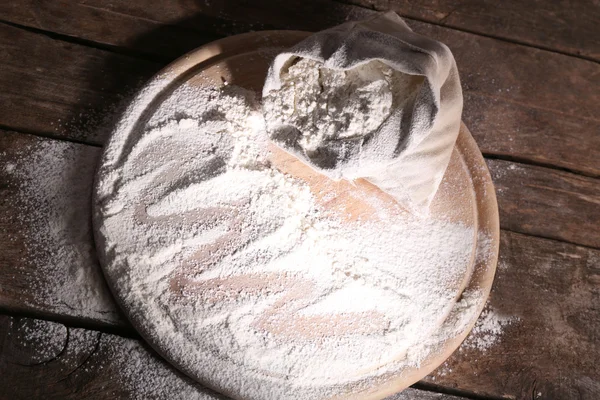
(531,78)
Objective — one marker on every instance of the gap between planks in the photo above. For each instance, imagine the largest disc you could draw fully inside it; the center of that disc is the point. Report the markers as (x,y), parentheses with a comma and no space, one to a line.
(124,51)
(524,159)
(46,135)
(473,32)
(455,394)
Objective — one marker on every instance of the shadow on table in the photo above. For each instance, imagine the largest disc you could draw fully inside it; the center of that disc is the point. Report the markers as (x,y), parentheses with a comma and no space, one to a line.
(124,69)
(121,71)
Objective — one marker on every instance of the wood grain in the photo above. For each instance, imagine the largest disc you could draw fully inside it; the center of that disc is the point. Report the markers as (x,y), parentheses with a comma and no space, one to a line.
(547,203)
(48,263)
(146,36)
(550,350)
(513,94)
(48,360)
(62,89)
(551,287)
(533,135)
(534,77)
(570,28)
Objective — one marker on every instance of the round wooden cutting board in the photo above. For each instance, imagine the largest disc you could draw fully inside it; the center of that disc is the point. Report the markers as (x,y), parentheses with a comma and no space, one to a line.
(466,196)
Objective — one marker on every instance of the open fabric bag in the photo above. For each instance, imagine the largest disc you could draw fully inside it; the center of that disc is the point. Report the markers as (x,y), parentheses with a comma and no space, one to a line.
(407,155)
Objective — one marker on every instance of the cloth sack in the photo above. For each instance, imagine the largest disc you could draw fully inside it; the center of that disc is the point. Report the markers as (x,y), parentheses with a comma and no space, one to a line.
(408,154)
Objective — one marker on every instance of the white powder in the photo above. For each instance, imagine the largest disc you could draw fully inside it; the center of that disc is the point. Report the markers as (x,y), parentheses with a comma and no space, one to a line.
(326,115)
(325,104)
(246,279)
(144,375)
(44,340)
(114,366)
(52,184)
(488,329)
(107,365)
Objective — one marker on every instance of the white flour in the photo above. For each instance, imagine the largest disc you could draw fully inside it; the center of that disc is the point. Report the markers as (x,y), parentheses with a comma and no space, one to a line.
(325,115)
(243,275)
(44,340)
(132,370)
(488,330)
(51,182)
(325,104)
(78,361)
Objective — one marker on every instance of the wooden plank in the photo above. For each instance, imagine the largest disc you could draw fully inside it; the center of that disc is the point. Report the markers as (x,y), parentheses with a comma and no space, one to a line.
(43,359)
(551,287)
(145,36)
(548,203)
(46,185)
(570,28)
(533,135)
(62,89)
(542,336)
(533,77)
(48,263)
(48,360)
(513,94)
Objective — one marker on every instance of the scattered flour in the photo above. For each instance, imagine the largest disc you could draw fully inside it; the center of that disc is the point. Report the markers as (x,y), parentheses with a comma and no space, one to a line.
(51,181)
(245,279)
(488,330)
(44,339)
(112,366)
(144,375)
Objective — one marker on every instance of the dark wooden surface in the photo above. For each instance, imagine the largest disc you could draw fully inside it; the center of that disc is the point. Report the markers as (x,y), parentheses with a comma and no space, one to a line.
(75,363)
(531,81)
(569,27)
(514,94)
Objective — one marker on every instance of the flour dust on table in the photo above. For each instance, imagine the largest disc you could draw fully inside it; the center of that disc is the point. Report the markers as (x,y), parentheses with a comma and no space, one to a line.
(252,280)
(51,181)
(369,99)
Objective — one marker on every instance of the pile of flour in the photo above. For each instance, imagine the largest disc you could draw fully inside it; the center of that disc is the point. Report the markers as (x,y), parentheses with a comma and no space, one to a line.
(327,116)
(244,277)
(324,104)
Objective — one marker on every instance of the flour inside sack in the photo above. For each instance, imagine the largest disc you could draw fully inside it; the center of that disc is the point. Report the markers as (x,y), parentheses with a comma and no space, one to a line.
(369,99)
(329,116)
(257,281)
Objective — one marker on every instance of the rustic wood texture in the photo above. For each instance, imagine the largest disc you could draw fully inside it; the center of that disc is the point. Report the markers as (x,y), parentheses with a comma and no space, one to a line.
(568,27)
(513,94)
(62,89)
(74,363)
(72,65)
(548,203)
(529,80)
(551,349)
(550,286)
(48,263)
